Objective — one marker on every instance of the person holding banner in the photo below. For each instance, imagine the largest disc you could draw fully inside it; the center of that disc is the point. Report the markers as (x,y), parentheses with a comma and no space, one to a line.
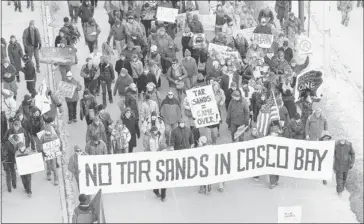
(237,114)
(171,112)
(72,102)
(27,178)
(273,179)
(73,163)
(182,137)
(315,125)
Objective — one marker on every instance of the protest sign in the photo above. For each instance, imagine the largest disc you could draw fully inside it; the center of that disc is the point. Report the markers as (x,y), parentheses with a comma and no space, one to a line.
(167,14)
(224,51)
(41,100)
(247,33)
(66,89)
(303,45)
(181,19)
(30,164)
(52,149)
(308,80)
(292,214)
(263,40)
(21,138)
(39,134)
(206,165)
(62,56)
(203,106)
(208,21)
(240,131)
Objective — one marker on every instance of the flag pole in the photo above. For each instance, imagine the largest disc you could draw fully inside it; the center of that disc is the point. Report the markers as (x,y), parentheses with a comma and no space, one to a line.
(275,102)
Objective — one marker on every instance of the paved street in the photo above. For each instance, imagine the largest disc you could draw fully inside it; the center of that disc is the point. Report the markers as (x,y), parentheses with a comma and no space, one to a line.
(243,200)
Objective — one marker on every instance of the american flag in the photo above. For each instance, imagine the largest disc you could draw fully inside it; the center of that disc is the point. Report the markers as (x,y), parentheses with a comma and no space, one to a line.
(268,113)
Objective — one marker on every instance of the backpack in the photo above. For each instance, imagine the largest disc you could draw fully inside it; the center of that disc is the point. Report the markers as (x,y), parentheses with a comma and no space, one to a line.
(84,216)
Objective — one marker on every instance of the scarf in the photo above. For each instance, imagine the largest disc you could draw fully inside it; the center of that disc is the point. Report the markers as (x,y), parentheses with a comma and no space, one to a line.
(30,39)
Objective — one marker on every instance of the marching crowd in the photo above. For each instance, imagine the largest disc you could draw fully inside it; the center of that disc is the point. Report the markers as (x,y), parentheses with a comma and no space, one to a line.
(245,87)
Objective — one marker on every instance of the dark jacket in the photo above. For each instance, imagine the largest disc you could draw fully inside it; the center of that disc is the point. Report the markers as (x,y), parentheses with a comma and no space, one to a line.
(288,53)
(182,138)
(75,96)
(84,214)
(246,73)
(28,41)
(143,80)
(123,64)
(86,104)
(85,12)
(4,126)
(297,130)
(9,70)
(238,113)
(106,72)
(122,82)
(131,100)
(9,150)
(15,52)
(21,130)
(36,123)
(133,127)
(29,71)
(344,156)
(242,45)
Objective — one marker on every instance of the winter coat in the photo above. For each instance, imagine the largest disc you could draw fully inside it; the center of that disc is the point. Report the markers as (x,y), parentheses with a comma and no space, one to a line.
(143,80)
(117,32)
(214,73)
(254,54)
(137,69)
(238,113)
(8,76)
(256,104)
(15,53)
(85,12)
(9,106)
(89,29)
(48,138)
(269,61)
(121,85)
(106,120)
(148,123)
(152,142)
(190,66)
(182,138)
(283,113)
(75,96)
(279,65)
(21,130)
(130,52)
(185,40)
(4,126)
(120,139)
(306,108)
(196,27)
(98,130)
(36,123)
(292,27)
(131,101)
(86,105)
(242,45)
(345,6)
(96,149)
(155,58)
(29,42)
(315,126)
(84,214)
(170,111)
(174,73)
(9,149)
(267,29)
(162,43)
(106,72)
(155,96)
(123,64)
(297,130)
(133,127)
(282,8)
(29,71)
(90,74)
(146,109)
(133,29)
(344,156)
(288,53)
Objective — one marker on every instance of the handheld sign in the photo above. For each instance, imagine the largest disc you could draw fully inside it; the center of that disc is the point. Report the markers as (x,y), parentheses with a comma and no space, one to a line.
(303,45)
(66,89)
(21,138)
(308,80)
(247,33)
(263,40)
(203,106)
(41,100)
(240,131)
(30,164)
(62,56)
(291,214)
(167,14)
(52,149)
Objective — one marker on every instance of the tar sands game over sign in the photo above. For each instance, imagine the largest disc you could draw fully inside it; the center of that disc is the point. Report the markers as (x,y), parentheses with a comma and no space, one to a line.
(203,106)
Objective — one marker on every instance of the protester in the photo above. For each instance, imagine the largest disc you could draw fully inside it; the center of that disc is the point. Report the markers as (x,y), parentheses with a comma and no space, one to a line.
(118,33)
(17,129)
(146,77)
(122,87)
(15,52)
(147,107)
(171,113)
(8,105)
(107,77)
(315,125)
(72,102)
(343,162)
(305,103)
(29,75)
(90,74)
(3,49)
(176,76)
(4,127)
(8,74)
(182,137)
(95,146)
(27,178)
(292,26)
(8,151)
(123,63)
(87,107)
(273,179)
(85,12)
(296,127)
(120,138)
(204,189)
(345,7)
(106,120)
(32,43)
(91,32)
(154,93)
(84,213)
(52,165)
(96,128)
(130,121)
(73,163)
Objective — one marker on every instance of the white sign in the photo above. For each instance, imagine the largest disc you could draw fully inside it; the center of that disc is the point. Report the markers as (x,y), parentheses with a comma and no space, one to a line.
(291,214)
(224,51)
(208,21)
(30,164)
(203,106)
(66,89)
(39,134)
(263,40)
(41,100)
(52,149)
(21,138)
(206,165)
(247,33)
(303,45)
(167,14)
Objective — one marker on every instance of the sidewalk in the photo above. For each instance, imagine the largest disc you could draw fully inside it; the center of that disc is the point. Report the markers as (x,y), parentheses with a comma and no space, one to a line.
(45,204)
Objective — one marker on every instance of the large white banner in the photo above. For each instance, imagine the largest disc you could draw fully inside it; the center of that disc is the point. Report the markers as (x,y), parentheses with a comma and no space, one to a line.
(203,106)
(206,165)
(30,164)
(167,14)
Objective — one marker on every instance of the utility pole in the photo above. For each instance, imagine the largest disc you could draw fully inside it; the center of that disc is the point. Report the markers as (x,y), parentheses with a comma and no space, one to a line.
(301,12)
(309,17)
(326,28)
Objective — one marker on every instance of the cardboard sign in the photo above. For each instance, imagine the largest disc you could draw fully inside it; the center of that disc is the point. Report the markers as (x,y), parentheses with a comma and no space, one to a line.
(167,14)
(208,21)
(240,131)
(62,56)
(291,214)
(66,89)
(206,165)
(203,106)
(303,45)
(224,51)
(247,33)
(39,134)
(21,138)
(308,80)
(263,40)
(52,149)
(41,100)
(30,164)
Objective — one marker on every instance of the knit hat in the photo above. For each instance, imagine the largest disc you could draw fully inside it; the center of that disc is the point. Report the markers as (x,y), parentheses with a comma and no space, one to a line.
(26,57)
(77,148)
(31,22)
(293,61)
(153,129)
(154,113)
(182,120)
(153,48)
(162,29)
(117,21)
(187,30)
(187,52)
(17,123)
(69,74)
(200,77)
(174,60)
(285,43)
(297,116)
(170,91)
(124,71)
(130,44)
(276,129)
(83,199)
(235,93)
(254,125)
(233,84)
(132,86)
(153,30)
(12,36)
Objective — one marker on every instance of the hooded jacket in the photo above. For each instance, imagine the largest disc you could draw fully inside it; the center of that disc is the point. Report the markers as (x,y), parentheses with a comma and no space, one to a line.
(170,110)
(15,52)
(87,103)
(344,156)
(238,113)
(315,126)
